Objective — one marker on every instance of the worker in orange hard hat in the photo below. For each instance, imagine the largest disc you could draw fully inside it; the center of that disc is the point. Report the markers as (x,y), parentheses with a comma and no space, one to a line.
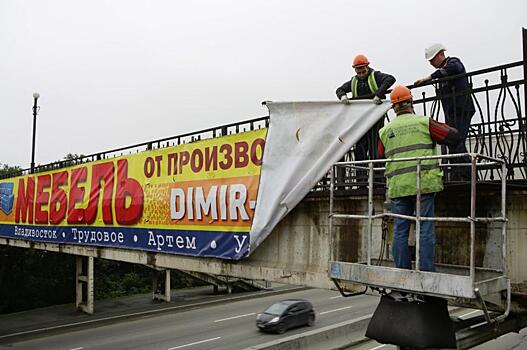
(367,83)
(360,61)
(456,99)
(408,136)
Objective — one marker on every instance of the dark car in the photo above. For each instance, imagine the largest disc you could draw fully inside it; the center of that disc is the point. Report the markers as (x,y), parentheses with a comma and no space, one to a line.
(286,314)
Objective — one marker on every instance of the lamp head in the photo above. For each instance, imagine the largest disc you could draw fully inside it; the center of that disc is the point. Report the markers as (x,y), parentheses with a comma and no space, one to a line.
(36,95)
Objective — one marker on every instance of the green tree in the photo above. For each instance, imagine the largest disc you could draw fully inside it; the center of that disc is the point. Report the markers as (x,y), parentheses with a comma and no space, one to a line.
(71,156)
(70,159)
(35,278)
(9,171)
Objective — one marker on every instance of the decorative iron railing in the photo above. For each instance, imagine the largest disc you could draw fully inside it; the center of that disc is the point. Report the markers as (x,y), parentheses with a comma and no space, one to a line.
(228,129)
(498,128)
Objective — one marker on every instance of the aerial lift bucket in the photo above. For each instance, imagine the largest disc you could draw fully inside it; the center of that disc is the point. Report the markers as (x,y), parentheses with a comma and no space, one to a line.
(422,319)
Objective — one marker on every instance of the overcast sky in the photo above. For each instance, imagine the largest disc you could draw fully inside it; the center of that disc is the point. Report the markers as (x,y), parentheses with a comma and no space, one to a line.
(118,72)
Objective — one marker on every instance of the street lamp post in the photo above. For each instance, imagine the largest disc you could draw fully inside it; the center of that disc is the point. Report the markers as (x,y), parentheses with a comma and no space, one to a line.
(36,95)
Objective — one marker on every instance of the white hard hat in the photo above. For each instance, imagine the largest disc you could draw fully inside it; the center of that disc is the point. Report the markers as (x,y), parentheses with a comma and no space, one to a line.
(433,50)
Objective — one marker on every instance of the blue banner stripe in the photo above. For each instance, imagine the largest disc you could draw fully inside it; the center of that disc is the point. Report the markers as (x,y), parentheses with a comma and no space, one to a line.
(215,244)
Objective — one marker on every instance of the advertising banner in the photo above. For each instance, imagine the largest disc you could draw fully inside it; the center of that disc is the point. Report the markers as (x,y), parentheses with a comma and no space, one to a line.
(193,199)
(219,197)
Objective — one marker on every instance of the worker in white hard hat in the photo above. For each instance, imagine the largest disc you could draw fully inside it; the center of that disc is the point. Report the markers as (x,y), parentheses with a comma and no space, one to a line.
(456,98)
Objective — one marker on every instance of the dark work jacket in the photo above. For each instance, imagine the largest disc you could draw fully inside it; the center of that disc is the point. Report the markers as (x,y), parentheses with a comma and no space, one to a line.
(460,104)
(384,82)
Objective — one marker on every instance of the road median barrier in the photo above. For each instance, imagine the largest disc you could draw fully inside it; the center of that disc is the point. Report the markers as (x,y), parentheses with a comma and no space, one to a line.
(337,336)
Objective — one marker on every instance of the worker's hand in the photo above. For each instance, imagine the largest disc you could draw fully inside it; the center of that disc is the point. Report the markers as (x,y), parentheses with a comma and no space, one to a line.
(377,100)
(344,99)
(422,80)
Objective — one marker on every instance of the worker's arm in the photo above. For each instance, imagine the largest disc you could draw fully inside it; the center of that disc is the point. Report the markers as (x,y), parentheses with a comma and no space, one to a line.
(444,134)
(343,89)
(440,132)
(453,66)
(384,81)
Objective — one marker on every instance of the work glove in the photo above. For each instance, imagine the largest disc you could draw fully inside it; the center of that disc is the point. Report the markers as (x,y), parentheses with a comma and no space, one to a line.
(423,80)
(344,99)
(377,100)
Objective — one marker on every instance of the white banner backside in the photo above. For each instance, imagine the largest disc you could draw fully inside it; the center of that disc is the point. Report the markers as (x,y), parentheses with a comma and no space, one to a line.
(303,141)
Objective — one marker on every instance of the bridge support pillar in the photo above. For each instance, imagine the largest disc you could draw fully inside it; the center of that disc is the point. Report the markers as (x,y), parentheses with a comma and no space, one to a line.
(84,284)
(161,291)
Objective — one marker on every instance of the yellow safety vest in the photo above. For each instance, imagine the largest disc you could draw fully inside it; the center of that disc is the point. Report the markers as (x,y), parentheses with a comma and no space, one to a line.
(408,136)
(371,83)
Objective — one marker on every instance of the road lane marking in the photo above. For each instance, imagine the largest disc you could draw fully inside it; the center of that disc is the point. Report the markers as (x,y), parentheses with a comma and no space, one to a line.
(472,312)
(185,307)
(334,310)
(336,297)
(378,347)
(78,348)
(195,343)
(233,317)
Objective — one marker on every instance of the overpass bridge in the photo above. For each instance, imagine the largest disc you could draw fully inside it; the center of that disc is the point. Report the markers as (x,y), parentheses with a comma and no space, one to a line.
(301,246)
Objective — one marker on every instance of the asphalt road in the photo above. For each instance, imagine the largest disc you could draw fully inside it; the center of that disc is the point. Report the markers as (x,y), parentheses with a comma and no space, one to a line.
(228,326)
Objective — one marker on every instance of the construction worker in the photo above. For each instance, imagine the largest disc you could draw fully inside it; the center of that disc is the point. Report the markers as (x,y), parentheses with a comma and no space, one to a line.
(367,84)
(410,135)
(458,109)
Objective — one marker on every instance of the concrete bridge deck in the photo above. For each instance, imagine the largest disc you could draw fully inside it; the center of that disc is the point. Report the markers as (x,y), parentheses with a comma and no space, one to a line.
(300,248)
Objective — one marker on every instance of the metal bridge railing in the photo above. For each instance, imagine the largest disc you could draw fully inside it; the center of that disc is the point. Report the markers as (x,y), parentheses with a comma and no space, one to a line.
(498,128)
(228,129)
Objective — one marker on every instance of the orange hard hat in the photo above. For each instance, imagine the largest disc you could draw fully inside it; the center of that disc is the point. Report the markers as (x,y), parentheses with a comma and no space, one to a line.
(360,61)
(399,94)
